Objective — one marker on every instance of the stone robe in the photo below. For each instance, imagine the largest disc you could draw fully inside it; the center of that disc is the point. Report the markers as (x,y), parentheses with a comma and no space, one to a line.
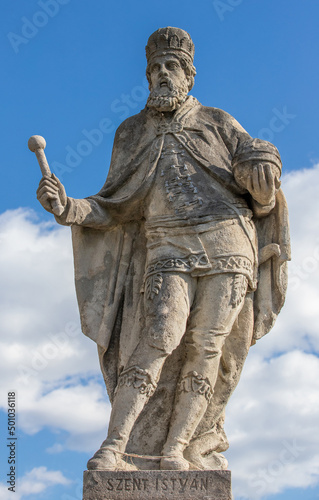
(109,244)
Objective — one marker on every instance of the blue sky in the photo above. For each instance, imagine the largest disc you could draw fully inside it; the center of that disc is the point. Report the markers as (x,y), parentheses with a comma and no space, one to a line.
(79,69)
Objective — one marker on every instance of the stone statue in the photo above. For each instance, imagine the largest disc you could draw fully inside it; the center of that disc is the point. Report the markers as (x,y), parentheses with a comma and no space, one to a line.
(180,266)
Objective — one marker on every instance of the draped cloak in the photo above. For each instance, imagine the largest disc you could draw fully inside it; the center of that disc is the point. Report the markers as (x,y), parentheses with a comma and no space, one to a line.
(109,248)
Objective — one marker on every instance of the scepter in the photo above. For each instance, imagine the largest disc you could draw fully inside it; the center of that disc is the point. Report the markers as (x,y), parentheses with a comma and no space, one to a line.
(37,145)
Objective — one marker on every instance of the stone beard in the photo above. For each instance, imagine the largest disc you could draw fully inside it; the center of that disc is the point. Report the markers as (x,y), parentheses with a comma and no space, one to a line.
(177,267)
(168,98)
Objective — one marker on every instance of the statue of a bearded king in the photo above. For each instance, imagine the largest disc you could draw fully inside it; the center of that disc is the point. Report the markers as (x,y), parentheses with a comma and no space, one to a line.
(180,266)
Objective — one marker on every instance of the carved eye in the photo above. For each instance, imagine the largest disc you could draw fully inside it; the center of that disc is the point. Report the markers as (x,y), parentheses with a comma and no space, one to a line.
(172,65)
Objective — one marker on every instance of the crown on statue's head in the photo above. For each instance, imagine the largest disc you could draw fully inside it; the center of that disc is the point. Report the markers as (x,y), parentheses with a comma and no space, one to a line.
(168,40)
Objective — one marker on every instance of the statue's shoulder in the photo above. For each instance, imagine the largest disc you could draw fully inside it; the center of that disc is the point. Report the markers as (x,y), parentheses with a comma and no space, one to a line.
(130,131)
(220,118)
(133,122)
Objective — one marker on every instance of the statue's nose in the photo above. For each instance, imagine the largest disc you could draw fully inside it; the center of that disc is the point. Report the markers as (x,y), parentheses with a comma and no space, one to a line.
(163,71)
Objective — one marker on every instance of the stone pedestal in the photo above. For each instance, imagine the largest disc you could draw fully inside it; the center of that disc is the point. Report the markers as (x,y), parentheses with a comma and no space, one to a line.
(155,484)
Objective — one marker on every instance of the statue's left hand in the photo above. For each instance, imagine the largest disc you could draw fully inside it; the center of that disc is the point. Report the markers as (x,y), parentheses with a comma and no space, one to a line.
(262,184)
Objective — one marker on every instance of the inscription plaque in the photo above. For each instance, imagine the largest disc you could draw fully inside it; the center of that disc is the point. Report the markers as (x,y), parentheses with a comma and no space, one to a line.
(154,484)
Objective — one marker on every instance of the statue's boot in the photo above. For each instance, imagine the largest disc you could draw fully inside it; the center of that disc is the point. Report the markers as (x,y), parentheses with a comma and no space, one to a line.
(204,450)
(189,410)
(131,395)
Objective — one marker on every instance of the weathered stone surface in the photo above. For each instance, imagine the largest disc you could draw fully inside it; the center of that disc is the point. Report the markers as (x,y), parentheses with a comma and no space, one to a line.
(180,266)
(153,485)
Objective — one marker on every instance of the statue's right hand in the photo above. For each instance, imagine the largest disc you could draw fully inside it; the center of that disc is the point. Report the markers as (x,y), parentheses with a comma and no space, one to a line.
(51,189)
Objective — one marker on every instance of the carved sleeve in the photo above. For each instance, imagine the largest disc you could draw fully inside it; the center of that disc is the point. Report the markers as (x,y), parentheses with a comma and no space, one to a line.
(86,212)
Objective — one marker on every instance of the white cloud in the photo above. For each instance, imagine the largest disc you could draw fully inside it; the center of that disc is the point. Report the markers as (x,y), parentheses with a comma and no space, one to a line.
(39,479)
(272,422)
(272,417)
(44,356)
(36,481)
(55,448)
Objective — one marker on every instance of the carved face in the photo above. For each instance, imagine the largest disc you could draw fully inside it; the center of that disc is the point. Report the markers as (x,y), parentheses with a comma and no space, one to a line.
(168,83)
(166,72)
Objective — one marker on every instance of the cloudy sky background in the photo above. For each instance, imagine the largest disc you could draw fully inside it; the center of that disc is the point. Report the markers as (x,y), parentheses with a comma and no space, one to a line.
(83,69)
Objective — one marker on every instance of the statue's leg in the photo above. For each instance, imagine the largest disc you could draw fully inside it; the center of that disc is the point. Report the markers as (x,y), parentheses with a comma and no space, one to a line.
(210,435)
(165,324)
(218,301)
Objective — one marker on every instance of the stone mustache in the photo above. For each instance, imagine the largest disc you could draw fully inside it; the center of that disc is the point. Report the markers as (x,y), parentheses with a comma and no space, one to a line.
(180,266)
